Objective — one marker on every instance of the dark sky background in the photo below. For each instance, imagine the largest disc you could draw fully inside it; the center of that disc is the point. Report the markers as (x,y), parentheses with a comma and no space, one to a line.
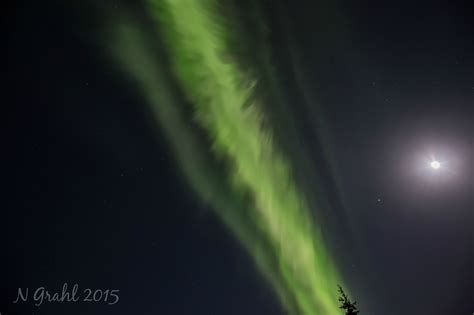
(92,195)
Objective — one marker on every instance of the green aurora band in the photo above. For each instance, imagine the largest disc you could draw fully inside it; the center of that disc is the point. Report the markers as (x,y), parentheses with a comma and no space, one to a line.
(258,198)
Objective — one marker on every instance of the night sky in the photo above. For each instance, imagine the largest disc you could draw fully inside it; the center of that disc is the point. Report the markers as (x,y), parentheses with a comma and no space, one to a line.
(369,94)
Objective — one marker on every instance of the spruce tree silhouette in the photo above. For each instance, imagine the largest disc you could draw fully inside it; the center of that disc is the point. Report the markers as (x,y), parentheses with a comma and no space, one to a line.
(346,304)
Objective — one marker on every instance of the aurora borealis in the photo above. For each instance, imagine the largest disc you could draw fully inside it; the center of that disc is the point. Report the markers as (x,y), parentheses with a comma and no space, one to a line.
(201,157)
(275,224)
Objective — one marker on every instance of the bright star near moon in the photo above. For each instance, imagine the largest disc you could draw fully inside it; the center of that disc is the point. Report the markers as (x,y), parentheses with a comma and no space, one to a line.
(435,165)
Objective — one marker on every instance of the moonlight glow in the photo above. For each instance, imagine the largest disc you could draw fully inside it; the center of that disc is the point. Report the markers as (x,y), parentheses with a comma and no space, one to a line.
(435,165)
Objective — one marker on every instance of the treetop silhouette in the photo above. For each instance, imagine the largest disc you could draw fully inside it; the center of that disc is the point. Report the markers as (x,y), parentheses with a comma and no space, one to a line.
(346,304)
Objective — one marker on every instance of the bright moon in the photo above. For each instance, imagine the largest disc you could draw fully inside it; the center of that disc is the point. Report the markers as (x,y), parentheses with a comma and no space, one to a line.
(435,165)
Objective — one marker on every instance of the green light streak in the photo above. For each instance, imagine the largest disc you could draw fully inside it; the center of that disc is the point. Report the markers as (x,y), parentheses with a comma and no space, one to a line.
(274,223)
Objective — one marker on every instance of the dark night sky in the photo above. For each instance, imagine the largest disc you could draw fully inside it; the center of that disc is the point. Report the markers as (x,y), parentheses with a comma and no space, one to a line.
(396,80)
(86,173)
